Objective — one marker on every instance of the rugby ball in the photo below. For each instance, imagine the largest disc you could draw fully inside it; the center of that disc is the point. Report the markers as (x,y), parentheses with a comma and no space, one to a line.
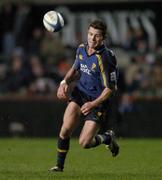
(53,21)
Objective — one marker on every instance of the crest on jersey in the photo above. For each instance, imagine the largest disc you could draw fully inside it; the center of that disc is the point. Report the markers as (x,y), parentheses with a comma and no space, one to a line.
(80,56)
(93,67)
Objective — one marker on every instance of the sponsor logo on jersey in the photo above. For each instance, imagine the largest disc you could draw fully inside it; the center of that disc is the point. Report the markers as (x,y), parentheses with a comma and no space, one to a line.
(84,68)
(113,76)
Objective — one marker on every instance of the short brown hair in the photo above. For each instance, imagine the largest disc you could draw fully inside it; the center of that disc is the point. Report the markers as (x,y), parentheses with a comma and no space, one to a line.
(98,24)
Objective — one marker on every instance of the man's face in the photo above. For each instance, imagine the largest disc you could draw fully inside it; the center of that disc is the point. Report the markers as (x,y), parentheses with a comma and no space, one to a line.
(95,37)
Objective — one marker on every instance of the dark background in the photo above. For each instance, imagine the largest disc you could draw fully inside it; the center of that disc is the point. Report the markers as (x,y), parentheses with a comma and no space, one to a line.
(42,116)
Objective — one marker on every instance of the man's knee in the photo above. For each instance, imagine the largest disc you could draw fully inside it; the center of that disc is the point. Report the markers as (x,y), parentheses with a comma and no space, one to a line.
(65,133)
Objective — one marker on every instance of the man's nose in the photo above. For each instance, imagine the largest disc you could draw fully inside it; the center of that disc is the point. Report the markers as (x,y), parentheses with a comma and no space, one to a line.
(93,38)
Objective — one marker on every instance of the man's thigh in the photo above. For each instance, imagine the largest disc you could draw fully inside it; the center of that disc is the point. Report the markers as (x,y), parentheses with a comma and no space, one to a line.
(90,129)
(71,116)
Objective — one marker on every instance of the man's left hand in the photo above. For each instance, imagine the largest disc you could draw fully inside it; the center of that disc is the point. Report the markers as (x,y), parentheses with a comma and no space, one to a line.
(87,107)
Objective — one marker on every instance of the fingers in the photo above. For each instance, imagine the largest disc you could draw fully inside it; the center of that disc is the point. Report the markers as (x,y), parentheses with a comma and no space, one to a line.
(85,112)
(85,109)
(62,96)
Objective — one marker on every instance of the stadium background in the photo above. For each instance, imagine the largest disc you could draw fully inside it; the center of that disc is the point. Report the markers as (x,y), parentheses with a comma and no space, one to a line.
(33,61)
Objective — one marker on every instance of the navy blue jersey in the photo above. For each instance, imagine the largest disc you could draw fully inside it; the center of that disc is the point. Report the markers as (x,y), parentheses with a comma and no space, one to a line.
(97,71)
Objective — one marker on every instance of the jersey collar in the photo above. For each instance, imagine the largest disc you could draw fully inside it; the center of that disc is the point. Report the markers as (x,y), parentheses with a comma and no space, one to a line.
(98,49)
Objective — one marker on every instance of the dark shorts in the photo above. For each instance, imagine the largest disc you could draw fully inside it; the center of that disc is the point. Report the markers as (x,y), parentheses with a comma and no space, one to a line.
(98,114)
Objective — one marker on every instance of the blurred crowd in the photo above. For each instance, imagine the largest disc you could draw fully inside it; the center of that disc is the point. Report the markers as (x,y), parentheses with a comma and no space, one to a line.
(33,61)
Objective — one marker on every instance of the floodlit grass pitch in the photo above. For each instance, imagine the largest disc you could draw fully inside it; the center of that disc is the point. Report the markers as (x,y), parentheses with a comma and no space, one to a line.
(28,159)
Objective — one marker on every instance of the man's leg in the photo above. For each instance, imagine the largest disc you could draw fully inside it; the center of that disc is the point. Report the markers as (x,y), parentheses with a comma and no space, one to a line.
(88,134)
(112,145)
(70,122)
(89,137)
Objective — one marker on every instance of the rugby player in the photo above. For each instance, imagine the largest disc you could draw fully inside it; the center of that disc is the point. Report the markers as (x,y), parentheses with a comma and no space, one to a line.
(95,67)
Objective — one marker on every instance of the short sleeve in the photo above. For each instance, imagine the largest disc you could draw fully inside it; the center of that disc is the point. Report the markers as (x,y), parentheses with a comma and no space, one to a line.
(108,69)
(76,64)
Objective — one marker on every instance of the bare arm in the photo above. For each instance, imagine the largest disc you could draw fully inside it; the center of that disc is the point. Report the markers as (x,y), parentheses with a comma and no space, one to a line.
(62,92)
(70,76)
(104,96)
(88,106)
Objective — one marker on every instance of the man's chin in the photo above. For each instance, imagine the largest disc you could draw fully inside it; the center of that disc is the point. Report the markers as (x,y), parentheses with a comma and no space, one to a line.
(92,46)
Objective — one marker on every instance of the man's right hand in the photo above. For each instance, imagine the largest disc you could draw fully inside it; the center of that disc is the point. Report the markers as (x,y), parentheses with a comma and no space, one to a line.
(62,92)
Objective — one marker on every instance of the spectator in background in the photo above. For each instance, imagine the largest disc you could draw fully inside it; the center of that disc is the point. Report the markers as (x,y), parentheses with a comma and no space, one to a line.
(35,41)
(3,76)
(131,75)
(51,45)
(7,15)
(22,24)
(136,40)
(156,77)
(63,67)
(40,83)
(140,39)
(129,43)
(17,76)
